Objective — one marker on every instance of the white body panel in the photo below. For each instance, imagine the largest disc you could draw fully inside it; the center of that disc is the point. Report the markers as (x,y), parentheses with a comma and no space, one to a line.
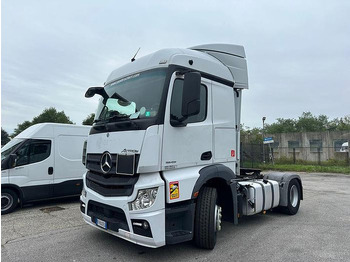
(33,174)
(224,124)
(176,153)
(147,143)
(186,178)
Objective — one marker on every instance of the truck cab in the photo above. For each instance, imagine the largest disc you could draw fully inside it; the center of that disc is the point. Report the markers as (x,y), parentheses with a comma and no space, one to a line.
(163,154)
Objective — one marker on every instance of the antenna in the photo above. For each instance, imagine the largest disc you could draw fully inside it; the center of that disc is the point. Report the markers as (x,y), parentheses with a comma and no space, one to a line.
(133,59)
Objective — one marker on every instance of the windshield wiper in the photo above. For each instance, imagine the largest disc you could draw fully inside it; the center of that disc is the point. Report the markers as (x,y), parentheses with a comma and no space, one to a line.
(116,117)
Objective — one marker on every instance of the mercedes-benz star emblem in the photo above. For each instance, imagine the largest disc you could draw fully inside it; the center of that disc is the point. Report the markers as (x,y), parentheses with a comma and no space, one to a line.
(106,162)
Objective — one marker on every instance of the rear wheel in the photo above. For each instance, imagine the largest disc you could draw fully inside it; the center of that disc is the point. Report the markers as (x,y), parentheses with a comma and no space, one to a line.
(207,218)
(9,201)
(294,194)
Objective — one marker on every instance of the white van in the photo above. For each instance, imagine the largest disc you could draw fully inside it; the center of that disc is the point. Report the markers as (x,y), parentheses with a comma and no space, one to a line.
(344,147)
(44,161)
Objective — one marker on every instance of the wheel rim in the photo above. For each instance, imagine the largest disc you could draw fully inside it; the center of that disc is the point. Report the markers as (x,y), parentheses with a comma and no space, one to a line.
(6,201)
(218,216)
(294,196)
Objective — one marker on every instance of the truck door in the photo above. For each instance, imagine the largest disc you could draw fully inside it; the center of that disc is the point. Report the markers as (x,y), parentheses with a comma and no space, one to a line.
(34,168)
(189,145)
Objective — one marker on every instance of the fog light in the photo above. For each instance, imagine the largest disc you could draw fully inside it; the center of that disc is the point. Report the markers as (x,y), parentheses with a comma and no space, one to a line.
(141,227)
(82,207)
(145,225)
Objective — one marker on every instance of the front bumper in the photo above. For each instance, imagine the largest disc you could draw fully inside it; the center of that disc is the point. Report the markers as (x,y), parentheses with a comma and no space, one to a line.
(155,215)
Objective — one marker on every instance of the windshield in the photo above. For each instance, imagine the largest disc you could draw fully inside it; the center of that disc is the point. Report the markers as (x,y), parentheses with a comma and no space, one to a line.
(10,146)
(132,97)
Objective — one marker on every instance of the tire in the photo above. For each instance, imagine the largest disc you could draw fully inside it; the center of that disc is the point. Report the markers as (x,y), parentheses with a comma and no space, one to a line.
(294,194)
(9,201)
(207,218)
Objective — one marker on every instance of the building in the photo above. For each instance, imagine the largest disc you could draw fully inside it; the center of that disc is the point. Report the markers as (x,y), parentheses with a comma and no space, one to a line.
(310,146)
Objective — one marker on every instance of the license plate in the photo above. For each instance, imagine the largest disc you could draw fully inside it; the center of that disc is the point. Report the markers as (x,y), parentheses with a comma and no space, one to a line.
(101,223)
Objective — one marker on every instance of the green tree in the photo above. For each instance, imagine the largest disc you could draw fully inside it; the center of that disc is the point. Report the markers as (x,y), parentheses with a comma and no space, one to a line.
(89,120)
(21,127)
(310,123)
(281,126)
(251,136)
(4,137)
(340,124)
(49,115)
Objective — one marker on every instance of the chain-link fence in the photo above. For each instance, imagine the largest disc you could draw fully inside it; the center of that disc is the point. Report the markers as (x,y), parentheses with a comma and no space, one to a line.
(253,155)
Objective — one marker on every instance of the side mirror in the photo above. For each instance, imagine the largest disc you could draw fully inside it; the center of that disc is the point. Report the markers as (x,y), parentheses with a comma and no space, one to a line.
(96,90)
(12,160)
(191,94)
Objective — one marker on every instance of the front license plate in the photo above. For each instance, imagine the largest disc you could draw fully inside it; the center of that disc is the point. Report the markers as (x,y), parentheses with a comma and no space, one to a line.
(101,223)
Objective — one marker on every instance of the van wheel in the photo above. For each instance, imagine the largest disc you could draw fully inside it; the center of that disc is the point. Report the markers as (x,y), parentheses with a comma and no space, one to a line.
(294,194)
(207,218)
(9,201)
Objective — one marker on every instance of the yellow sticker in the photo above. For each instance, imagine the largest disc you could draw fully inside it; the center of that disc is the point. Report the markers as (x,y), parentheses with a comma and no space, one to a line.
(174,190)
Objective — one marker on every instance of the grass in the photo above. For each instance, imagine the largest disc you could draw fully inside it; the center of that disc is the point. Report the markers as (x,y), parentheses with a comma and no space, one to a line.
(306,168)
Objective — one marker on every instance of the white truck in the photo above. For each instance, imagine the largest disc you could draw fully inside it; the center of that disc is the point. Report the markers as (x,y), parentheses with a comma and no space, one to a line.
(163,155)
(42,162)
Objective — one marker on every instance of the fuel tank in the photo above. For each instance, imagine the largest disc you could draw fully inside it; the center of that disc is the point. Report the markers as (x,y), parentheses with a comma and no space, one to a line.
(259,195)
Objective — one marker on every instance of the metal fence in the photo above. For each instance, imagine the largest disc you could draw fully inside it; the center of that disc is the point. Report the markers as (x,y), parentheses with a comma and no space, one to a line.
(253,155)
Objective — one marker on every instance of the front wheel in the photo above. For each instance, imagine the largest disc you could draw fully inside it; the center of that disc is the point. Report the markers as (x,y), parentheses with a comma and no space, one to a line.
(207,218)
(9,201)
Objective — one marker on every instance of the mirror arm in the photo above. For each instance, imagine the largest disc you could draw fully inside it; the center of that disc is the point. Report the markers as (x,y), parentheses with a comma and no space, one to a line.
(96,90)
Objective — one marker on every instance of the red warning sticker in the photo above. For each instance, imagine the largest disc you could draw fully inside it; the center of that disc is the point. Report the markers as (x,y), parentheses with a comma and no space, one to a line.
(233,153)
(174,190)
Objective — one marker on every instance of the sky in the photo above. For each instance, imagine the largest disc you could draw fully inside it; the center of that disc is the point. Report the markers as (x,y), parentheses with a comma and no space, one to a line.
(298,52)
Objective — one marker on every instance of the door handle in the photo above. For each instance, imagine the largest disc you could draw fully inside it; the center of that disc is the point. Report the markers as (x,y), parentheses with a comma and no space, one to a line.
(206,155)
(50,170)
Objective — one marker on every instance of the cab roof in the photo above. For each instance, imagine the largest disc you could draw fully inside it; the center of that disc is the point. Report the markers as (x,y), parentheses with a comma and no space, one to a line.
(221,60)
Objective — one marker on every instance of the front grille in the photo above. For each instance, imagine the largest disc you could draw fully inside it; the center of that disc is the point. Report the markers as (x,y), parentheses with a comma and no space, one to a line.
(110,184)
(114,216)
(93,163)
(115,185)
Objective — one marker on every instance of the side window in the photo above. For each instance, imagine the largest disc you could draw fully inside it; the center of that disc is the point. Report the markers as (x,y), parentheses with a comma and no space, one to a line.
(39,150)
(32,152)
(22,155)
(176,103)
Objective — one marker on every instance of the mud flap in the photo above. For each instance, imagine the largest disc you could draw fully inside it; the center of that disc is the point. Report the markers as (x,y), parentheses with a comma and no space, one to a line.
(283,180)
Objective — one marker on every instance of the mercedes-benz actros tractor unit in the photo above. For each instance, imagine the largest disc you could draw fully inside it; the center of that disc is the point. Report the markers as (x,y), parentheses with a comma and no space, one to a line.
(162,157)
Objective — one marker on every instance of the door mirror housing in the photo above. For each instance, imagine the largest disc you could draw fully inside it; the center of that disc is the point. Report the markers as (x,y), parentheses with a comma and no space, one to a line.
(191,94)
(12,161)
(96,90)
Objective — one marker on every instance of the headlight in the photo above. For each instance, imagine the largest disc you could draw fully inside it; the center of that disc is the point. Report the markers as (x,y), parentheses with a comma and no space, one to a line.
(145,199)
(83,192)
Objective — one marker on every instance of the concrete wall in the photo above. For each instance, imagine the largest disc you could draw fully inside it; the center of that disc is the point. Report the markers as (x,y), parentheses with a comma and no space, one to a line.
(305,151)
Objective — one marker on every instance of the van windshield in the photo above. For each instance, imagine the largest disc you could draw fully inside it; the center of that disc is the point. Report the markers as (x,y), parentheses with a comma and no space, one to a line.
(132,97)
(10,146)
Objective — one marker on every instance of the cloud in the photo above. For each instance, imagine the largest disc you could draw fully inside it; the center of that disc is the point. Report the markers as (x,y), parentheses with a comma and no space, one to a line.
(298,52)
